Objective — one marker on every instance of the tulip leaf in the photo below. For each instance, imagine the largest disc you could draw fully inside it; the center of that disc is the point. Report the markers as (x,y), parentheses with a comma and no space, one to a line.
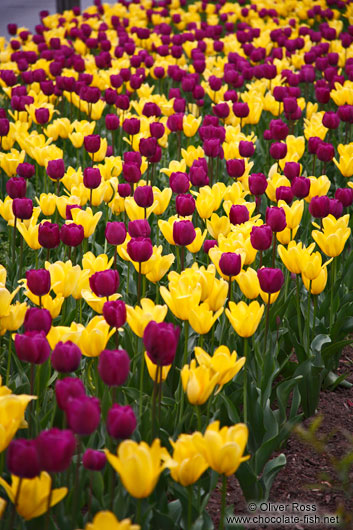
(203,522)
(251,487)
(310,385)
(98,486)
(231,409)
(283,390)
(270,472)
(175,510)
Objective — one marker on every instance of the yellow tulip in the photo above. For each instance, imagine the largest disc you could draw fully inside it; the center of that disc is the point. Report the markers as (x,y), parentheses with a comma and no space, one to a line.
(162,198)
(3,275)
(12,410)
(331,244)
(139,466)
(269,298)
(15,318)
(293,213)
(191,154)
(223,448)
(135,212)
(96,264)
(5,300)
(295,256)
(218,225)
(245,318)
(10,161)
(153,368)
(218,295)
(63,201)
(82,283)
(159,265)
(6,210)
(65,333)
(166,227)
(32,500)
(139,317)
(312,268)
(64,277)
(223,363)
(198,382)
(94,337)
(248,283)
(318,284)
(205,203)
(60,127)
(190,125)
(187,464)
(47,203)
(201,318)
(181,298)
(86,219)
(318,187)
(106,520)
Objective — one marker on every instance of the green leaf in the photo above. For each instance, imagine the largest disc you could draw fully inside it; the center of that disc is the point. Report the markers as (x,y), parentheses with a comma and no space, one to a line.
(270,472)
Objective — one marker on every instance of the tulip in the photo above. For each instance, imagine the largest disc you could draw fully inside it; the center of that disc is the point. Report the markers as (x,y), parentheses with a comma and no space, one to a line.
(16,187)
(32,496)
(291,170)
(143,196)
(114,313)
(139,228)
(225,364)
(56,169)
(146,463)
(37,320)
(208,244)
(32,347)
(223,448)
(230,264)
(83,415)
(257,184)
(91,177)
(22,208)
(198,382)
(66,357)
(68,388)
(278,150)
(345,196)
(92,143)
(296,256)
(38,281)
(261,237)
(183,233)
(55,449)
(94,460)
(245,318)
(187,464)
(161,341)
(276,218)
(113,367)
(271,280)
(246,149)
(121,421)
(105,283)
(139,317)
(184,204)
(238,214)
(179,182)
(124,190)
(72,234)
(22,458)
(25,170)
(235,168)
(140,249)
(94,337)
(319,206)
(301,187)
(49,235)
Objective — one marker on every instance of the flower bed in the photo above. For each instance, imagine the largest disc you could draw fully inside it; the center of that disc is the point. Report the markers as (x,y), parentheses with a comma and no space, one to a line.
(176,286)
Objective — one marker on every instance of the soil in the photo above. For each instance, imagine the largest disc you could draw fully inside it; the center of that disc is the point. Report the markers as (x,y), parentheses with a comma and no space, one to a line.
(309,476)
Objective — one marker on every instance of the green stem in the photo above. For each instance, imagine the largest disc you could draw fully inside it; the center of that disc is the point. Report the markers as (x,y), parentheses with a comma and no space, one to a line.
(298,309)
(189,507)
(314,316)
(142,367)
(245,383)
(198,416)
(223,505)
(333,281)
(139,511)
(308,315)
(13,513)
(185,355)
(9,361)
(139,284)
(267,321)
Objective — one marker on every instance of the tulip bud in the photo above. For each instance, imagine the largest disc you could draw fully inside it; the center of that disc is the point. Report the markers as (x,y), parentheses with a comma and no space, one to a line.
(179,182)
(104,283)
(121,421)
(261,237)
(301,187)
(246,149)
(91,177)
(66,357)
(140,249)
(336,208)
(319,206)
(271,280)
(284,193)
(131,126)
(42,115)
(185,204)
(230,264)
(22,458)
(115,232)
(331,120)
(92,143)
(278,150)
(235,168)
(94,460)
(16,187)
(72,234)
(325,152)
(257,184)
(38,281)
(55,448)
(291,170)
(37,319)
(4,127)
(112,122)
(48,235)
(32,347)
(83,415)
(161,341)
(148,146)
(157,130)
(114,313)
(241,110)
(279,130)
(139,228)
(56,169)
(143,196)
(25,170)
(124,189)
(238,214)
(183,233)
(22,208)
(276,218)
(208,244)
(68,388)
(345,196)
(114,366)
